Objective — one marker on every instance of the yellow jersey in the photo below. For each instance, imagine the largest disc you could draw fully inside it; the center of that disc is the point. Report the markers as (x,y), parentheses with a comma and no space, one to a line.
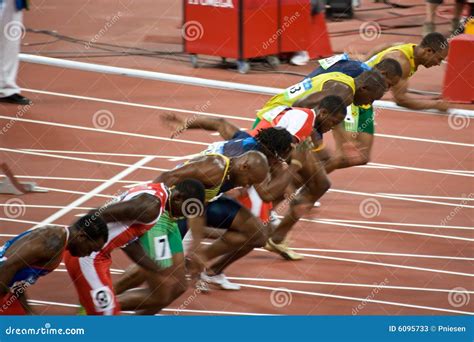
(210,193)
(407,49)
(300,90)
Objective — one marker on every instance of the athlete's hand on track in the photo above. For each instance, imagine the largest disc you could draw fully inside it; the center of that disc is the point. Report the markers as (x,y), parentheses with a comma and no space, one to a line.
(351,151)
(442,106)
(175,122)
(355,55)
(195,264)
(299,153)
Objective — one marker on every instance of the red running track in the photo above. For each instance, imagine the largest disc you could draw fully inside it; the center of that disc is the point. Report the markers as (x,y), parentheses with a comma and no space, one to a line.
(406,260)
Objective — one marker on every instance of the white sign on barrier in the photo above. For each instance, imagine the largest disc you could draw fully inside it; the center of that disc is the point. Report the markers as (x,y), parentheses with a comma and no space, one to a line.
(215,3)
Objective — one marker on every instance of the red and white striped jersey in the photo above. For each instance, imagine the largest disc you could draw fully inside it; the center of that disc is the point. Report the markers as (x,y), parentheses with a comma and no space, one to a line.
(299,122)
(121,233)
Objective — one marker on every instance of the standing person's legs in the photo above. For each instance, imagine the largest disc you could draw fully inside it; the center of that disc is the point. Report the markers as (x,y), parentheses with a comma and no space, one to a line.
(457,17)
(429,25)
(10,38)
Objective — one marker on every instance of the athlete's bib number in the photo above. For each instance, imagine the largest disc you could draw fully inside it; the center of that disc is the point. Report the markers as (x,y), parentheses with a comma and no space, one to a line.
(298,89)
(326,63)
(162,248)
(350,113)
(103,298)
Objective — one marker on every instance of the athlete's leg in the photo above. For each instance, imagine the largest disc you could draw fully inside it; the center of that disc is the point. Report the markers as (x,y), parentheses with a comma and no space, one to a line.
(316,184)
(93,282)
(132,278)
(243,228)
(302,203)
(226,260)
(11,305)
(162,289)
(163,244)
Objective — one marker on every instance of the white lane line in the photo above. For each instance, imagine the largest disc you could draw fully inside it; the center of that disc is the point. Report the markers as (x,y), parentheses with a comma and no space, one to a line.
(348,225)
(177,158)
(20,221)
(138,105)
(358,261)
(422,169)
(400,224)
(233,313)
(342,251)
(101,153)
(463,171)
(42,206)
(206,144)
(426,196)
(220,115)
(310,282)
(322,221)
(108,131)
(170,158)
(391,136)
(317,256)
(44,302)
(73,192)
(95,191)
(308,293)
(70,179)
(341,224)
(134,183)
(368,194)
(345,260)
(327,295)
(79,159)
(137,184)
(368,166)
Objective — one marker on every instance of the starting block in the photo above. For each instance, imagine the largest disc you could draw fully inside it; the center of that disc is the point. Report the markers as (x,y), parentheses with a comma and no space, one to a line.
(10,185)
(460,70)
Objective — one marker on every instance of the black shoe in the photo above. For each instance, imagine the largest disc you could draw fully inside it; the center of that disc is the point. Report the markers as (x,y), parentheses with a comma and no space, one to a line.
(16,99)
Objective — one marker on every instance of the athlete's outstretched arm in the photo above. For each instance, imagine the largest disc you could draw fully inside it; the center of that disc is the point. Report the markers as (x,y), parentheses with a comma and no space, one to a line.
(143,208)
(7,271)
(197,259)
(273,188)
(24,257)
(180,124)
(400,94)
(137,254)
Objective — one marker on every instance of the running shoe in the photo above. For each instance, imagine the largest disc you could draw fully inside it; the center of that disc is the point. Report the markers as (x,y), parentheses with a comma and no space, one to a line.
(221,281)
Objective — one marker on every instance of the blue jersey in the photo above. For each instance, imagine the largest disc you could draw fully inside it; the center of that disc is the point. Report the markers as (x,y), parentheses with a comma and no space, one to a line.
(240,143)
(25,276)
(349,67)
